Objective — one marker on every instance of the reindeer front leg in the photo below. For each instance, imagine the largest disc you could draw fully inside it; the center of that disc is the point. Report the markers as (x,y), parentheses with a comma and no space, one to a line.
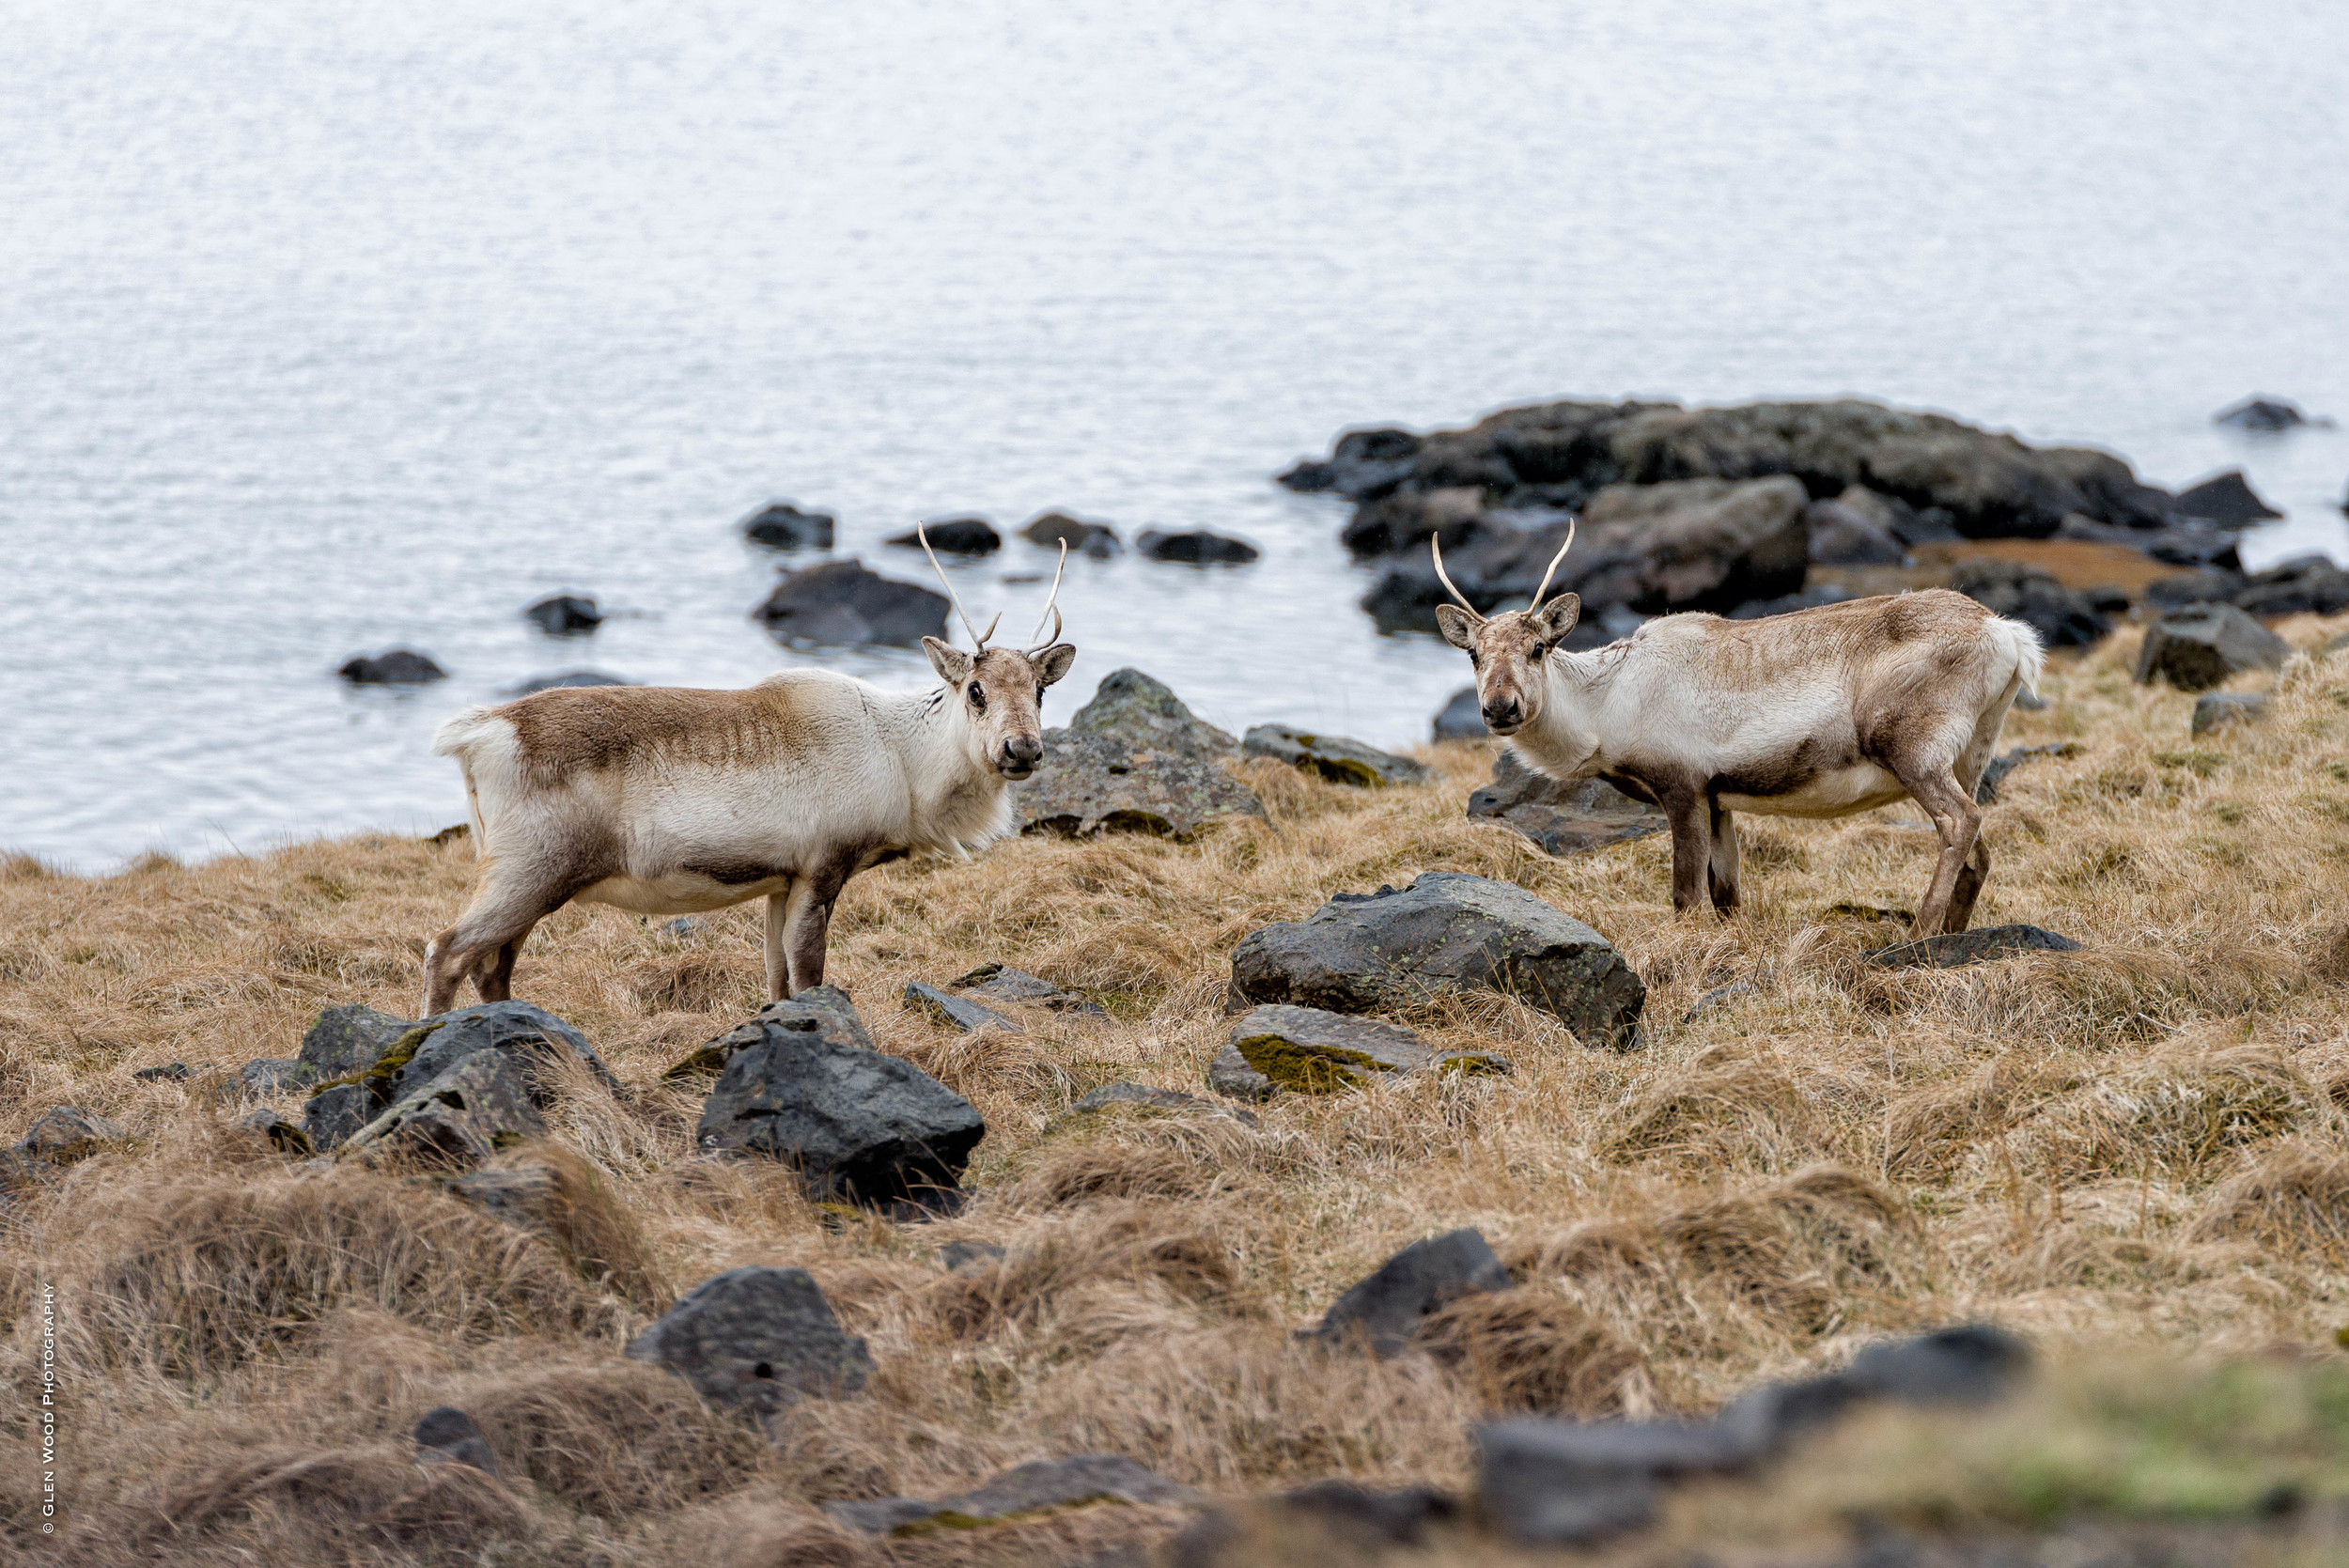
(807,919)
(1690,814)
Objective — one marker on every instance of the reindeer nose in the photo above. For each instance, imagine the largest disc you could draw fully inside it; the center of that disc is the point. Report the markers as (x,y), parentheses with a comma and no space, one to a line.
(1025,749)
(1502,714)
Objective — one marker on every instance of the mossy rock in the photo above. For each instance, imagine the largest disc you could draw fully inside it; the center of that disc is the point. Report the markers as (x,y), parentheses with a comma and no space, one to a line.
(1306,1051)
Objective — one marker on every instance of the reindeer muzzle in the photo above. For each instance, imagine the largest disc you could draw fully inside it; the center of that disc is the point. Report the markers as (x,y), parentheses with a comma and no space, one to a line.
(1504,717)
(1020,755)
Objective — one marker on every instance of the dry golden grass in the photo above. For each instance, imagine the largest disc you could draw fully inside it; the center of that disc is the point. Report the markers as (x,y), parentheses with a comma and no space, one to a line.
(2140,1141)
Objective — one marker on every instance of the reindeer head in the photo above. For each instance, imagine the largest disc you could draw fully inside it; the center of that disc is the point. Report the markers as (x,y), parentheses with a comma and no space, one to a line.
(1510,651)
(1000,691)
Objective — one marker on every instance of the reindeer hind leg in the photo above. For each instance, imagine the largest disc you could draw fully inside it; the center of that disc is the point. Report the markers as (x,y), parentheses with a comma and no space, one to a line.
(1958,821)
(1722,865)
(483,943)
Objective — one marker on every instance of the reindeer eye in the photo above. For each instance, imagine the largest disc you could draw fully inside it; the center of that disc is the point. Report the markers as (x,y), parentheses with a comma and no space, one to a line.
(978,696)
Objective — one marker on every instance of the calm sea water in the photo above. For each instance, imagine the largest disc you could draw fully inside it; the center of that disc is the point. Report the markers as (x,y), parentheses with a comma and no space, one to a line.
(326,328)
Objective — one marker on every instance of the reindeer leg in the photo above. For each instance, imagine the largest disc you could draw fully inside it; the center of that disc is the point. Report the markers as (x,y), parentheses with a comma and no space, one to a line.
(1968,886)
(778,966)
(1690,815)
(808,920)
(482,944)
(1959,822)
(1721,866)
(496,982)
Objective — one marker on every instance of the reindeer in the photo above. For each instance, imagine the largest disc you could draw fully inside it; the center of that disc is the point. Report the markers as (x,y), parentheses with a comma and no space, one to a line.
(1819,713)
(668,801)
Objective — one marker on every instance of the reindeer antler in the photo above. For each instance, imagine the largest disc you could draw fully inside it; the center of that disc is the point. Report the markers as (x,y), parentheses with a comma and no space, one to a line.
(1543,591)
(1473,613)
(978,638)
(1052,604)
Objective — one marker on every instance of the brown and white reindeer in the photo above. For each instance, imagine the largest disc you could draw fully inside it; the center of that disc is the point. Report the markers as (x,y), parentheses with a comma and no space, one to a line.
(669,800)
(1819,713)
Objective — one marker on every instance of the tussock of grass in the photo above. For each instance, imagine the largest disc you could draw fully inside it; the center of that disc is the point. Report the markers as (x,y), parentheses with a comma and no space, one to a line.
(2136,1141)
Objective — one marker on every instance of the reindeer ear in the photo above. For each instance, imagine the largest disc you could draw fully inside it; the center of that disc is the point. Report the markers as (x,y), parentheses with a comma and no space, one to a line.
(1558,616)
(1053,662)
(951,665)
(1457,629)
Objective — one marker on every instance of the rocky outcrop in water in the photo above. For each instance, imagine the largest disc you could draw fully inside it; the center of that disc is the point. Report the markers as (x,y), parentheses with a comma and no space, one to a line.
(400,667)
(839,603)
(1096,539)
(783,525)
(565,615)
(2227,499)
(954,536)
(1196,546)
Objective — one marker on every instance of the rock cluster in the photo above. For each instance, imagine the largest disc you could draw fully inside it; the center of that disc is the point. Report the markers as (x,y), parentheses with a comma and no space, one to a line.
(1134,758)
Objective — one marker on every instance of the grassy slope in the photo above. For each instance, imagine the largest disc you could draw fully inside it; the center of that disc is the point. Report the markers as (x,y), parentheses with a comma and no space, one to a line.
(2140,1144)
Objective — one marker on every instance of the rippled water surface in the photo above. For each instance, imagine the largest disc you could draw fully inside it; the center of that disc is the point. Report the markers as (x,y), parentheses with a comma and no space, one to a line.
(331,327)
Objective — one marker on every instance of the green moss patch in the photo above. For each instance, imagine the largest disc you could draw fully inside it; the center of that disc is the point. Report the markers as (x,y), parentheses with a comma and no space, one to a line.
(1308,1070)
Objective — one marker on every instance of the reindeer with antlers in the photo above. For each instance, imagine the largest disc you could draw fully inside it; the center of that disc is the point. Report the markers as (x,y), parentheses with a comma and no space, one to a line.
(670,801)
(1819,713)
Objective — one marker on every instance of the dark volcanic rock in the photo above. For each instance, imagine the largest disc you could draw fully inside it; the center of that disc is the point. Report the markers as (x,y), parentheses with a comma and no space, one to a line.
(400,667)
(1132,707)
(568,677)
(757,1340)
(367,1063)
(954,537)
(1028,1491)
(1398,1518)
(2305,586)
(286,1137)
(2225,498)
(1453,517)
(447,1436)
(170,1072)
(1134,758)
(2032,595)
(67,1133)
(1461,718)
(839,603)
(1980,945)
(1563,818)
(1844,535)
(1993,775)
(1310,1051)
(565,615)
(346,1040)
(1196,546)
(784,526)
(1384,1309)
(857,1123)
(1002,983)
(1335,757)
(956,1012)
(1447,931)
(2204,646)
(1096,539)
(2261,413)
(2218,710)
(460,1116)
(1364,463)
(2202,585)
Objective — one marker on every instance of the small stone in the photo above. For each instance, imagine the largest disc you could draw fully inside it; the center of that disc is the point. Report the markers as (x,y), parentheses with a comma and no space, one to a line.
(447,1436)
(1993,775)
(2270,414)
(2205,644)
(1152,1098)
(757,1340)
(1006,983)
(170,1072)
(67,1133)
(1555,1483)
(400,667)
(959,1255)
(2218,710)
(566,679)
(1385,1309)
(781,525)
(1335,757)
(1968,1364)
(1196,546)
(1953,949)
(1310,1051)
(1461,718)
(954,537)
(1095,539)
(565,615)
(880,1516)
(1719,996)
(1563,818)
(271,1076)
(1448,931)
(956,1012)
(286,1137)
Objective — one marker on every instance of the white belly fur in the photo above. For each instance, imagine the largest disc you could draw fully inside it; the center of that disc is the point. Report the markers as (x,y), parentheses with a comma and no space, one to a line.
(1862,788)
(679,893)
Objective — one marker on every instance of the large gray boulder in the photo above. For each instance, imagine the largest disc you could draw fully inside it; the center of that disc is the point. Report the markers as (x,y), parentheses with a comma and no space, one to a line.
(857,1123)
(757,1340)
(1334,757)
(1384,1309)
(1309,1050)
(1134,759)
(1563,818)
(839,603)
(2206,645)
(1448,931)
